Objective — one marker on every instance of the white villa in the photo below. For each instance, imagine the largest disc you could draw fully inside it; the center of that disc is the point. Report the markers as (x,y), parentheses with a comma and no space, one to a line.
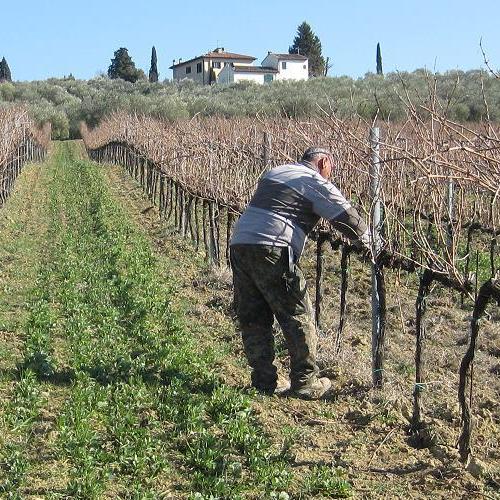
(227,67)
(274,67)
(234,73)
(199,68)
(289,66)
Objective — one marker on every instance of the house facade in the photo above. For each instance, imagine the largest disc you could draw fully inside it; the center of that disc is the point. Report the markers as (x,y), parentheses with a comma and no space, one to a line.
(199,68)
(227,67)
(233,73)
(274,67)
(289,66)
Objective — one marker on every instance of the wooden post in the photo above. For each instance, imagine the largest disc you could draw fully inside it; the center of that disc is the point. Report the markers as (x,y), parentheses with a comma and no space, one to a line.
(182,211)
(197,222)
(155,183)
(206,243)
(142,179)
(420,306)
(344,268)
(176,202)
(170,197)
(320,260)
(217,219)
(229,227)
(467,259)
(189,211)
(213,238)
(161,202)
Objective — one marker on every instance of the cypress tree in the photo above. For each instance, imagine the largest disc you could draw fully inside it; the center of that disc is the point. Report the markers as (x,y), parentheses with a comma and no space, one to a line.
(309,45)
(5,75)
(123,67)
(153,72)
(379,61)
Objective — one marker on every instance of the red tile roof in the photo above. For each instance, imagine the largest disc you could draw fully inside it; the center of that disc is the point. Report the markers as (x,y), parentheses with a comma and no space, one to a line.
(228,55)
(216,55)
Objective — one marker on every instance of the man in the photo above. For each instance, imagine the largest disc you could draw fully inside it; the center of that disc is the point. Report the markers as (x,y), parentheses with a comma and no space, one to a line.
(266,246)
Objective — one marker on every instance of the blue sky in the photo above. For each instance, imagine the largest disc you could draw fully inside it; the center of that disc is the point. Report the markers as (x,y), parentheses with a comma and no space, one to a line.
(46,38)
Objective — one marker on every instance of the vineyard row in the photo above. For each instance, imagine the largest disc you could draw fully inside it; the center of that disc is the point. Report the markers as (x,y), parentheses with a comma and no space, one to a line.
(208,223)
(20,143)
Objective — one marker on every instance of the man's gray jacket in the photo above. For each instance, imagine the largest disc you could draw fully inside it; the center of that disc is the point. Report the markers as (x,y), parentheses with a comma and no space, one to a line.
(288,203)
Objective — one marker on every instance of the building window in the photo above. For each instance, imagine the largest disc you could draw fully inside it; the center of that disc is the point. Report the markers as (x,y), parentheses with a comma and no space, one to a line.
(216,64)
(198,68)
(188,70)
(283,64)
(268,78)
(304,67)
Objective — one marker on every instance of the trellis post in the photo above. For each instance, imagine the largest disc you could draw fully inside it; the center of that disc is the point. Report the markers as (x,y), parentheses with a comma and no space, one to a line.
(320,260)
(377,276)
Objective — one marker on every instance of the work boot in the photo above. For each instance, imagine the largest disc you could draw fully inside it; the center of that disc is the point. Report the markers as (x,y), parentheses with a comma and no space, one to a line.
(282,386)
(313,389)
(278,388)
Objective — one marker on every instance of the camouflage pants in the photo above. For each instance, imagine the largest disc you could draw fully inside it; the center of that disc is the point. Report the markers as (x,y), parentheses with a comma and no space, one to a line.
(267,286)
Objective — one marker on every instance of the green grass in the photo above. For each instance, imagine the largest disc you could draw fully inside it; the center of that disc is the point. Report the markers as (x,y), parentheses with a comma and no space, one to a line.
(22,411)
(328,482)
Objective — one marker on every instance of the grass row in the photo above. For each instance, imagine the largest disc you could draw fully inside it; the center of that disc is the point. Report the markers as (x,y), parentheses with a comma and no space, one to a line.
(24,398)
(145,415)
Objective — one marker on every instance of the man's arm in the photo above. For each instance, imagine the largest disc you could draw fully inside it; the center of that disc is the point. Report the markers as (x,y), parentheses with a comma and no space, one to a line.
(329,203)
(352,226)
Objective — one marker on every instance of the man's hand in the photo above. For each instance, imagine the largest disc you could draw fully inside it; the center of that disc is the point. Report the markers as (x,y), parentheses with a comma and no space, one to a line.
(384,258)
(365,252)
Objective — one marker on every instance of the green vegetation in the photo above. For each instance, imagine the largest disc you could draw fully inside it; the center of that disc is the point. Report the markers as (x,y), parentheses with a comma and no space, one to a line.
(66,102)
(5,75)
(328,482)
(380,71)
(123,67)
(153,71)
(22,412)
(307,43)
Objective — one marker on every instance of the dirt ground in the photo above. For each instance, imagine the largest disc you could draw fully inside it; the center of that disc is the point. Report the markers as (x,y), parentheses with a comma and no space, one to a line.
(359,429)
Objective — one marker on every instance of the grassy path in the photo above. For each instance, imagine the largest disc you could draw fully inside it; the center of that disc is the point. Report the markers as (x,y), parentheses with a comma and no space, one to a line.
(105,391)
